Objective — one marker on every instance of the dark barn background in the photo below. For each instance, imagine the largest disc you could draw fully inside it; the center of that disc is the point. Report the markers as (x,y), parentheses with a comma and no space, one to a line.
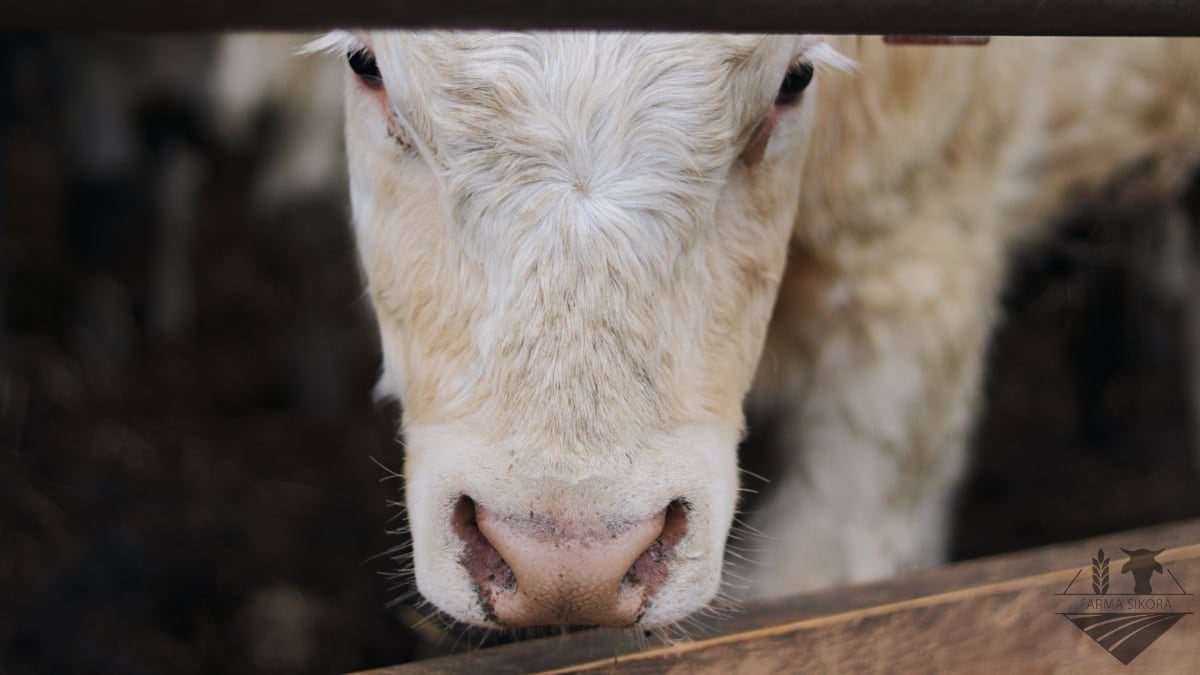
(192,471)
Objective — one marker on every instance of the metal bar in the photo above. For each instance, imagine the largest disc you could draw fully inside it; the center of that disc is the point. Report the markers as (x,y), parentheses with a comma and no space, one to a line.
(916,17)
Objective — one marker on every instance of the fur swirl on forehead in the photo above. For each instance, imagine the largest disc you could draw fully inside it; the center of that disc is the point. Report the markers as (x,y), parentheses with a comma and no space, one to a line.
(568,139)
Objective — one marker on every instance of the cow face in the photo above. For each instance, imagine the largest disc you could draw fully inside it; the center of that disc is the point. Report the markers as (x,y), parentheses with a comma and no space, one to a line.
(572,243)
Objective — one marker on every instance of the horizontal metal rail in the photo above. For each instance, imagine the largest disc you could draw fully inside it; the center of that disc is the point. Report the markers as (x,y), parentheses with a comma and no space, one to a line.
(922,17)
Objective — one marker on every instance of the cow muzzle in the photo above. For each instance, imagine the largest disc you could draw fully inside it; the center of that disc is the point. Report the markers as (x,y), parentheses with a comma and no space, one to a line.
(534,570)
(607,538)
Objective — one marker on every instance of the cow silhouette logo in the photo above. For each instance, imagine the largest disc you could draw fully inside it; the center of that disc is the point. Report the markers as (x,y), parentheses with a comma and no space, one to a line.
(1126,624)
(1141,565)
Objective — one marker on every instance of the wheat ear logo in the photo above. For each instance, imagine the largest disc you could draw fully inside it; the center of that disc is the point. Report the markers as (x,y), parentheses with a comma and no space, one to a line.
(1125,624)
(1100,573)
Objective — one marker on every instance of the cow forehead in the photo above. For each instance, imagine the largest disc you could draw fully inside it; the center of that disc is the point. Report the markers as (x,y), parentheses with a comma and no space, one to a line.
(539,58)
(579,174)
(616,129)
(574,92)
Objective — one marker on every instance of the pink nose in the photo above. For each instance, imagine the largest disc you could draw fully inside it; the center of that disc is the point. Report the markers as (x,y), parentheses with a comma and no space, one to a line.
(540,571)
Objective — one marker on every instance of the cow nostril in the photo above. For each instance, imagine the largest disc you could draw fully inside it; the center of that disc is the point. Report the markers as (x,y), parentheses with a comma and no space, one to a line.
(650,569)
(484,564)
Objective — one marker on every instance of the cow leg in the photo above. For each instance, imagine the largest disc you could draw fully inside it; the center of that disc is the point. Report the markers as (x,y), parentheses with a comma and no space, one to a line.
(872,368)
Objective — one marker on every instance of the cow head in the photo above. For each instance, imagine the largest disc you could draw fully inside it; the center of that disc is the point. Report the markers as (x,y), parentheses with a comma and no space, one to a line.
(573,242)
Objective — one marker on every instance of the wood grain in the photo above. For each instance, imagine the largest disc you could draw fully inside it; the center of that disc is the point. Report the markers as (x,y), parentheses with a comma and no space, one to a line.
(996,615)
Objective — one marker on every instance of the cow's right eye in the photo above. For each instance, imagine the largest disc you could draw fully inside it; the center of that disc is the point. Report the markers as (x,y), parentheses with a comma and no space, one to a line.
(362,62)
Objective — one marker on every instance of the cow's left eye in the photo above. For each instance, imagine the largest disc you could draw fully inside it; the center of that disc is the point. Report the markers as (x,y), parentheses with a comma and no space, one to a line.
(797,80)
(362,62)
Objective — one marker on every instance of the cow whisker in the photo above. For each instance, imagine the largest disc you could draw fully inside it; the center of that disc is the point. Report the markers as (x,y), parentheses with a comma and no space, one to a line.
(391,473)
(750,473)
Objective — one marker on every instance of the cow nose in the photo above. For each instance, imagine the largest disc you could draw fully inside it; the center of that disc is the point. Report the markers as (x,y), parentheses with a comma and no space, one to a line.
(537,571)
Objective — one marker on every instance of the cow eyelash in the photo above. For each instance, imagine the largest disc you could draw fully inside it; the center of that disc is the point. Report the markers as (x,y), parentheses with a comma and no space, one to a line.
(362,62)
(798,77)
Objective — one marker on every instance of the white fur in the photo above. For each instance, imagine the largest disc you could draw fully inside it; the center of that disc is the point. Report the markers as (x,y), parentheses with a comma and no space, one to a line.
(575,259)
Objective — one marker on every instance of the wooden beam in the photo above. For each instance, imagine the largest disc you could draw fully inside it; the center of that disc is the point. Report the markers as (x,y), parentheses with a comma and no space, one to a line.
(994,615)
(941,17)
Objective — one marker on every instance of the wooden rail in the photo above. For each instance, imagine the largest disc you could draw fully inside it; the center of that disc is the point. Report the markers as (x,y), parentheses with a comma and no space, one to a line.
(996,615)
(939,17)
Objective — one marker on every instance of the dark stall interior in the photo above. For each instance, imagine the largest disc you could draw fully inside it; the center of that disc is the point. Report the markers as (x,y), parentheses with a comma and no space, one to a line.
(194,476)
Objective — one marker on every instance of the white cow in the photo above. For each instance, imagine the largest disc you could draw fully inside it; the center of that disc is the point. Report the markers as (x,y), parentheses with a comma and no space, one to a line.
(577,246)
